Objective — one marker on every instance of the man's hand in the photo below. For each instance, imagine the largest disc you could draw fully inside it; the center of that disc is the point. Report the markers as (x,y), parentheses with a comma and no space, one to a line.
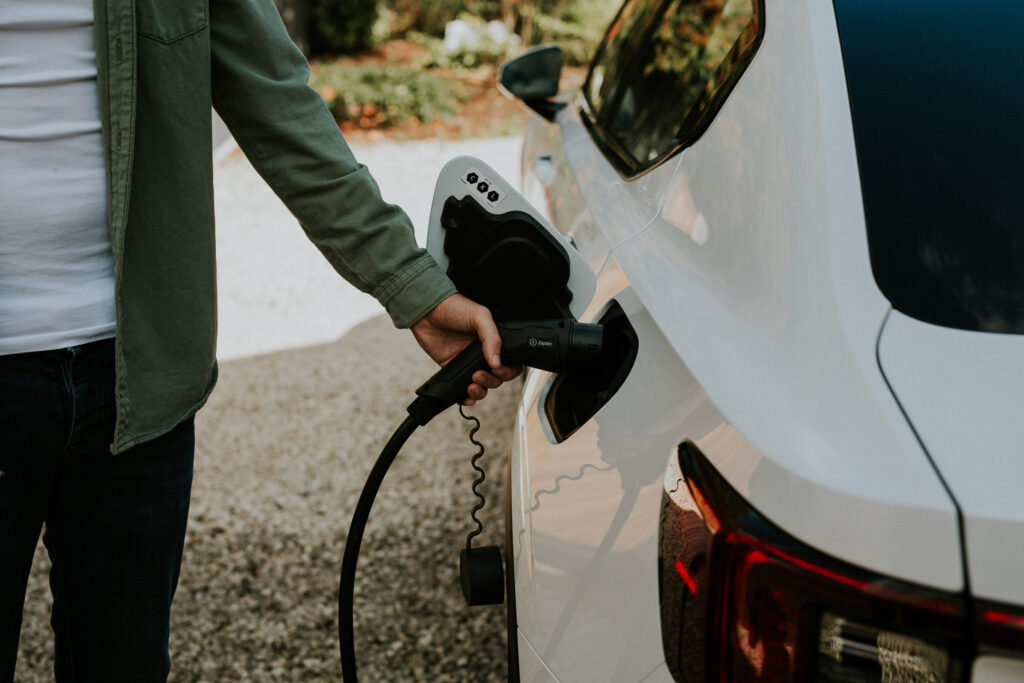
(450,327)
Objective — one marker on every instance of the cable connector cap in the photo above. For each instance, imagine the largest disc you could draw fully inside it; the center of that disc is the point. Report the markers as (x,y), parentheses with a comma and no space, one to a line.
(483,575)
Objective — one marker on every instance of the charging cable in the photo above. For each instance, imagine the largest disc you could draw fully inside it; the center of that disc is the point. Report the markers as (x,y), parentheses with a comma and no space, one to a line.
(553,345)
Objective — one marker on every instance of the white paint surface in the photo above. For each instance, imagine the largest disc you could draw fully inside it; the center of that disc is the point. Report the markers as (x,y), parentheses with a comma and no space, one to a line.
(997,670)
(757,317)
(963,391)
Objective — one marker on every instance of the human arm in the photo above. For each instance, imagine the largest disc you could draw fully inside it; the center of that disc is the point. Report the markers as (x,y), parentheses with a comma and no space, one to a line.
(259,88)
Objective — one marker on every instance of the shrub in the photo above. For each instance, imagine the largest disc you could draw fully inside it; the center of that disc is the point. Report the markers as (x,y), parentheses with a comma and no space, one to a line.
(431,16)
(577,25)
(372,95)
(343,26)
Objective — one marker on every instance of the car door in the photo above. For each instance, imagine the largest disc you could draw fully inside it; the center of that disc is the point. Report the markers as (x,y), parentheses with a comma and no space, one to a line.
(586,497)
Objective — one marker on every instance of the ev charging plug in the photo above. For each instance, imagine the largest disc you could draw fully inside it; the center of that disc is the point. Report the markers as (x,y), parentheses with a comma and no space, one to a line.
(501,252)
(554,345)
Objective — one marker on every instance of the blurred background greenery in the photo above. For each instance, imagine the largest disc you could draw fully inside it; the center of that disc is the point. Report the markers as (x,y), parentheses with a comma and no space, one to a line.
(428,67)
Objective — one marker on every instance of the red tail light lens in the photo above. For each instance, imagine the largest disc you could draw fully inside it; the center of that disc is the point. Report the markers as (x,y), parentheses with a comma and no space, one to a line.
(1000,628)
(743,601)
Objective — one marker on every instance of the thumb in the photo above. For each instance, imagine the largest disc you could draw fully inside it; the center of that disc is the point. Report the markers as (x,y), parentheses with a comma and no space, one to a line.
(490,340)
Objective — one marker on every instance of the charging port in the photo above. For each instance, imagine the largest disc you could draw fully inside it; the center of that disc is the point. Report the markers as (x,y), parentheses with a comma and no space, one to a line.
(575,396)
(507,262)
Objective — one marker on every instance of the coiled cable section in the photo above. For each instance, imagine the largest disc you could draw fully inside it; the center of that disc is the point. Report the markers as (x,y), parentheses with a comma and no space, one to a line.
(481,475)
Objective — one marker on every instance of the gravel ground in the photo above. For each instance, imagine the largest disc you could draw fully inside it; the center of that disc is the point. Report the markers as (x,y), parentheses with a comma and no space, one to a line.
(283,448)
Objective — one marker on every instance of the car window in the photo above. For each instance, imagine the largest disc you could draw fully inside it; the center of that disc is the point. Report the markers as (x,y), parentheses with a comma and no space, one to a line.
(936,100)
(625,37)
(663,71)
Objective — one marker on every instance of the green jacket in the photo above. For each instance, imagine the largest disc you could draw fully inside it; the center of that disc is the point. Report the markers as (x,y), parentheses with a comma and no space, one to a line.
(161,64)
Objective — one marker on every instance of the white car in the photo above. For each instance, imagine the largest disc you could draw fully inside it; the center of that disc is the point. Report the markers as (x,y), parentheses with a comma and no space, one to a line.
(804,456)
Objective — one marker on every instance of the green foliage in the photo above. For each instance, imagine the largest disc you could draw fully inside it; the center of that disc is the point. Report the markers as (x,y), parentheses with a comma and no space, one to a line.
(383,94)
(577,26)
(694,39)
(343,26)
(431,16)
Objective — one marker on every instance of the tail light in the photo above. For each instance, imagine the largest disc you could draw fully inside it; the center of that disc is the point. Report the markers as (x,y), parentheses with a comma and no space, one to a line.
(742,601)
(1000,628)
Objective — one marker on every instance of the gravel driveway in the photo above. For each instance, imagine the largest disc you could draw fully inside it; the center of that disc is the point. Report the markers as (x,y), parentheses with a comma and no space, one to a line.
(313,381)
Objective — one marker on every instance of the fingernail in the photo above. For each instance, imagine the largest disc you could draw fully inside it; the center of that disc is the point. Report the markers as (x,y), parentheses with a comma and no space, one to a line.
(495,360)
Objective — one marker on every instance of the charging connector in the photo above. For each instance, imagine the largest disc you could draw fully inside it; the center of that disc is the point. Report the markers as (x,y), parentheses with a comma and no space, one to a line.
(481,570)
(553,345)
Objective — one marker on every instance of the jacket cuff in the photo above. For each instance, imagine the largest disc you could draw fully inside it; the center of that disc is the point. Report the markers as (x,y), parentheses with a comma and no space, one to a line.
(414,291)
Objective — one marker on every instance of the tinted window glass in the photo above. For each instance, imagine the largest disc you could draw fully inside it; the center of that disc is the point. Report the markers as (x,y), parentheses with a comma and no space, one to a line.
(625,37)
(664,70)
(937,98)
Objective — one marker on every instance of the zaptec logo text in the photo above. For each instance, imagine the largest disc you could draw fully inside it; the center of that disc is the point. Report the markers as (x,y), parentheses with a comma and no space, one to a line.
(540,342)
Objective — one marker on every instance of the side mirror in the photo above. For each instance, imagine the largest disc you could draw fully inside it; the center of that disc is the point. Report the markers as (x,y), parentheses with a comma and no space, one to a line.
(533,77)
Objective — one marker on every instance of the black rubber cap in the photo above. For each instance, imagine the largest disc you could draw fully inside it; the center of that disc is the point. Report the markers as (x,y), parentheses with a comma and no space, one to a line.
(483,575)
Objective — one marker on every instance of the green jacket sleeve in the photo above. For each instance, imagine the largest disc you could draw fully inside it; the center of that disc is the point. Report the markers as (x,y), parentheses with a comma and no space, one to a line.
(259,89)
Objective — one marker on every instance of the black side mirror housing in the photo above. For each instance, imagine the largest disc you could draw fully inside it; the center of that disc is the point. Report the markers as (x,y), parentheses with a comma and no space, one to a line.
(533,77)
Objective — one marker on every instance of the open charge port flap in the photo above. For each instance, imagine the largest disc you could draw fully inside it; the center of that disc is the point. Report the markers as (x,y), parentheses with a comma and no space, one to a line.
(576,396)
(507,262)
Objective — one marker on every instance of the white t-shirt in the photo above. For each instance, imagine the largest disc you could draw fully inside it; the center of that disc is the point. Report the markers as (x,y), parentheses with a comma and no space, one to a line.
(56,266)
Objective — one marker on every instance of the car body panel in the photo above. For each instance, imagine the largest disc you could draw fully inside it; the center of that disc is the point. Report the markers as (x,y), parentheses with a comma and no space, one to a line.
(767,294)
(758,320)
(550,184)
(626,206)
(531,667)
(586,557)
(963,392)
(660,675)
(565,156)
(991,669)
(777,314)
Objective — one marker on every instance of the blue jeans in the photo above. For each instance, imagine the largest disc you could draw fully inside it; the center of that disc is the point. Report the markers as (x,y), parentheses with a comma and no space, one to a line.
(115,525)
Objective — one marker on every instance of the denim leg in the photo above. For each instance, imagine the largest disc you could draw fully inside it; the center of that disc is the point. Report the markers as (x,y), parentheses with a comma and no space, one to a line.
(115,530)
(115,525)
(35,411)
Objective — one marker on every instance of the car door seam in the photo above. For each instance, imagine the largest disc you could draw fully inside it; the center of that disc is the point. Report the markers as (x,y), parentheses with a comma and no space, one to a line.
(942,480)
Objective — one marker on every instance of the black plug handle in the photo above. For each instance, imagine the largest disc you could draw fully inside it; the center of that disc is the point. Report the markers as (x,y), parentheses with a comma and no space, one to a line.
(552,345)
(448,385)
